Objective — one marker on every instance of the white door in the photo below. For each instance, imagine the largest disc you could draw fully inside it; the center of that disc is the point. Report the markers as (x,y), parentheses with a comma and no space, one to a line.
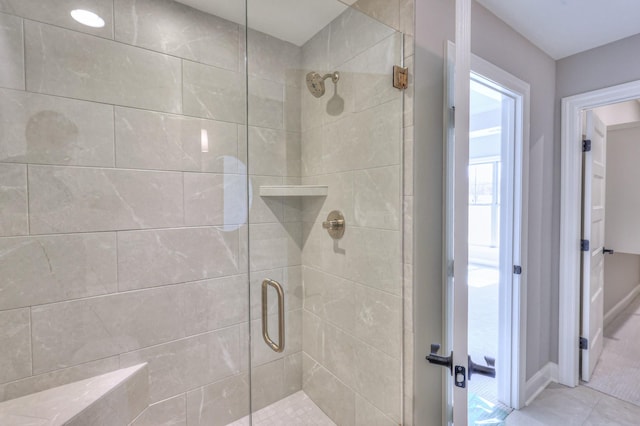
(453,355)
(593,215)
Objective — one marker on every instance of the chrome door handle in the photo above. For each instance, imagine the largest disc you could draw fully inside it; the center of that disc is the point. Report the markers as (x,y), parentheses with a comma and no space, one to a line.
(277,347)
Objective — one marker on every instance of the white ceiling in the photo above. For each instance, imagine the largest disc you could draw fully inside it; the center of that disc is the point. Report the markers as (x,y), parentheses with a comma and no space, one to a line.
(295,21)
(565,27)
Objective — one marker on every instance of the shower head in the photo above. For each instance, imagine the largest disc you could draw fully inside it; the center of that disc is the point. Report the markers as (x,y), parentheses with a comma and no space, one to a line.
(315,82)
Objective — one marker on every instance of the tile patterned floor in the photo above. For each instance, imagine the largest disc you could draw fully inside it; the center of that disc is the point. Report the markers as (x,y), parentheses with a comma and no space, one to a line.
(558,405)
(297,409)
(618,370)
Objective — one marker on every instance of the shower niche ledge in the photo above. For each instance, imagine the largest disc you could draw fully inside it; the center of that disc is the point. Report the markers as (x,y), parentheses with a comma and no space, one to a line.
(294,190)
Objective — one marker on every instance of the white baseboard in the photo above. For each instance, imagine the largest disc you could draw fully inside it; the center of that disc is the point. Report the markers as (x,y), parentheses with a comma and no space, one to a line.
(540,380)
(621,305)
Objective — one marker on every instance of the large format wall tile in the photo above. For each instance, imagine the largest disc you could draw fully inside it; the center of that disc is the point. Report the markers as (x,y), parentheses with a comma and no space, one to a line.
(266,103)
(173,28)
(377,198)
(69,333)
(273,59)
(151,140)
(71,64)
(186,364)
(219,403)
(368,314)
(370,73)
(58,13)
(15,345)
(371,138)
(273,152)
(291,281)
(352,33)
(69,199)
(11,52)
(215,93)
(159,257)
(215,199)
(261,353)
(38,270)
(13,199)
(214,304)
(45,129)
(170,412)
(329,393)
(53,379)
(369,415)
(371,373)
(275,245)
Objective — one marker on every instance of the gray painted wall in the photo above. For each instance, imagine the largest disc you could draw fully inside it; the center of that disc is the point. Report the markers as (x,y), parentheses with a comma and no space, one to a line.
(621,276)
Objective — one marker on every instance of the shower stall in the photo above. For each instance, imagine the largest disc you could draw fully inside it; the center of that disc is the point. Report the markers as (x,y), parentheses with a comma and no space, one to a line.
(206,196)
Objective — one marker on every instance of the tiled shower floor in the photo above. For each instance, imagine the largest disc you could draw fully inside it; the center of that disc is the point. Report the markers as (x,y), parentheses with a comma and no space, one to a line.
(297,409)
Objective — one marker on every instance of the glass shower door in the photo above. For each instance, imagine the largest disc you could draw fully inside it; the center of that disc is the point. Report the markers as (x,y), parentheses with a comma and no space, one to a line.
(324,155)
(123,203)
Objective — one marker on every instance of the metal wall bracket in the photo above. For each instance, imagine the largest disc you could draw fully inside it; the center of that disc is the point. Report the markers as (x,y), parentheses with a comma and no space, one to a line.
(400,77)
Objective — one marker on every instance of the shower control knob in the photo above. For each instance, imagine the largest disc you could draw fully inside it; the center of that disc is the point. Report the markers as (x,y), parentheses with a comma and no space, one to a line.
(335,224)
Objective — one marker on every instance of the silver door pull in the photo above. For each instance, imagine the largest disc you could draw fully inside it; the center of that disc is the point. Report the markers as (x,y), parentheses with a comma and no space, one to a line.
(277,347)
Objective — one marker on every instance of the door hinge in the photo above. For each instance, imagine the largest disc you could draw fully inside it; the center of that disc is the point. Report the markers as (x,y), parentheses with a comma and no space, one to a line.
(584,343)
(517,269)
(453,117)
(400,77)
(586,145)
(584,245)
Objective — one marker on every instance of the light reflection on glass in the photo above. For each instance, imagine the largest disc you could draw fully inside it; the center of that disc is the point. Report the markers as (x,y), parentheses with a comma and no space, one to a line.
(204,140)
(236,211)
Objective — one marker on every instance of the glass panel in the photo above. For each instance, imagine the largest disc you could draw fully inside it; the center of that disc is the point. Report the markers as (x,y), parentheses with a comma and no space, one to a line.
(322,111)
(123,206)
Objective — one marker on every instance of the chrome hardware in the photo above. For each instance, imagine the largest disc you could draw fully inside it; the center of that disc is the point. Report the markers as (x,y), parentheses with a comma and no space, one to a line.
(335,224)
(279,347)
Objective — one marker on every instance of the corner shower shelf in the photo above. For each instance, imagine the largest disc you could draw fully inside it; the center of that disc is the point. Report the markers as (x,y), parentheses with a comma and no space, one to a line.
(294,190)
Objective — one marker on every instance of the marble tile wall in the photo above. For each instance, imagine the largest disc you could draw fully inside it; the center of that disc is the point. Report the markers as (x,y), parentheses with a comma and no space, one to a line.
(123,235)
(353,141)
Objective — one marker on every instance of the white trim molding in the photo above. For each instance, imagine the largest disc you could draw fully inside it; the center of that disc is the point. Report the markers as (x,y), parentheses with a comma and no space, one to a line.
(570,220)
(536,384)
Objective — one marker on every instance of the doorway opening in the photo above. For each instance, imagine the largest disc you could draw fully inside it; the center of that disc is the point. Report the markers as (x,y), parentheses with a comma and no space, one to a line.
(610,307)
(492,235)
(576,322)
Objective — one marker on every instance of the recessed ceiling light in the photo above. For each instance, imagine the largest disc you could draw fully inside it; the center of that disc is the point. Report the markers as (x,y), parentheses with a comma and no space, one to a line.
(87,18)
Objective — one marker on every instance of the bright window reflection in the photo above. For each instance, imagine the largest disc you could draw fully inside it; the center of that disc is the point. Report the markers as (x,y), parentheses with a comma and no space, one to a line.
(87,18)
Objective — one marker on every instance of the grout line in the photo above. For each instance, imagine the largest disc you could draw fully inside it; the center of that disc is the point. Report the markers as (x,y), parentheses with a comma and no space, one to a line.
(31,337)
(24,54)
(28,200)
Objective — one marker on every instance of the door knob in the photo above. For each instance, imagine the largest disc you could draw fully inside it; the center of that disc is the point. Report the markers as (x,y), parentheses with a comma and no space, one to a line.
(434,358)
(488,370)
